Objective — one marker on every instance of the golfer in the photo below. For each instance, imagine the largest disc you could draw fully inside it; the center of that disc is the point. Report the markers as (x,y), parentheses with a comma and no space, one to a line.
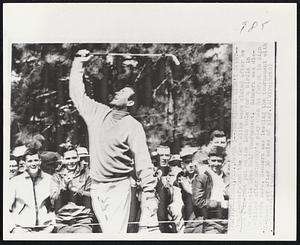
(117,150)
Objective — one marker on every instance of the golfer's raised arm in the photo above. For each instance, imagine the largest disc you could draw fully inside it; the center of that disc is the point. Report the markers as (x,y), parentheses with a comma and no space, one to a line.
(87,107)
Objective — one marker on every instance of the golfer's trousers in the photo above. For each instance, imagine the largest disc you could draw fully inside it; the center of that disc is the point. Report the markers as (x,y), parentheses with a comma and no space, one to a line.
(111,205)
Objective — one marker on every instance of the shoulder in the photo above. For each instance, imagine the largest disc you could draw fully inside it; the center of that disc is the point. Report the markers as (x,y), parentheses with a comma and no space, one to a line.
(133,125)
(131,120)
(46,175)
(17,179)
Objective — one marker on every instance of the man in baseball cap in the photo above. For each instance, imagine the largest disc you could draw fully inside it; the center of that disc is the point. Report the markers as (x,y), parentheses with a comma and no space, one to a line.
(83,156)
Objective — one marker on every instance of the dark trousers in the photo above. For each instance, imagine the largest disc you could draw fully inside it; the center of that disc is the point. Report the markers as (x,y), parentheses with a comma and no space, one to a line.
(135,212)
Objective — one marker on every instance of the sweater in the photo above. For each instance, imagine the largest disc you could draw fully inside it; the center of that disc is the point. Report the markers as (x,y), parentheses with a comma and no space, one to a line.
(117,141)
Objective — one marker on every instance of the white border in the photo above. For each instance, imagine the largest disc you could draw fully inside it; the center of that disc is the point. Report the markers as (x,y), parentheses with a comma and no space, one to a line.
(177,22)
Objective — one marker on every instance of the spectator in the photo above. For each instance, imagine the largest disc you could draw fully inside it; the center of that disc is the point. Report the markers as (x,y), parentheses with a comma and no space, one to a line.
(185,180)
(19,152)
(163,189)
(164,155)
(217,138)
(13,166)
(210,193)
(29,201)
(176,203)
(70,195)
(83,157)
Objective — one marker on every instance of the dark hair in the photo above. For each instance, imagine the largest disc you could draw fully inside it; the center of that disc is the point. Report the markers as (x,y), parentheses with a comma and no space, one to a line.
(66,147)
(31,152)
(217,134)
(218,151)
(12,157)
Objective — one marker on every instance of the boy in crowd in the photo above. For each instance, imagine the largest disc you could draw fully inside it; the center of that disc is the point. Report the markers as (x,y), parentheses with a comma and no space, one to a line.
(210,193)
(217,138)
(29,197)
(70,194)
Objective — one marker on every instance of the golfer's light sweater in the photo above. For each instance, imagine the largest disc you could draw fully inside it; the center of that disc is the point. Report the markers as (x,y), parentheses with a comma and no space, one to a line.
(117,141)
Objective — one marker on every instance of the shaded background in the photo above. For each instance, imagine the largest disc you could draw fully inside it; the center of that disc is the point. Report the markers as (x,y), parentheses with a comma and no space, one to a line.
(177,104)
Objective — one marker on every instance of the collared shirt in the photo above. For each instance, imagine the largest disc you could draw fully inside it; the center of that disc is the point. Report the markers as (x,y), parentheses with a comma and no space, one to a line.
(29,201)
(218,187)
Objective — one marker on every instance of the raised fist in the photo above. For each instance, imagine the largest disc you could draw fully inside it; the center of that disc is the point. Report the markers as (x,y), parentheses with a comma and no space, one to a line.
(82,56)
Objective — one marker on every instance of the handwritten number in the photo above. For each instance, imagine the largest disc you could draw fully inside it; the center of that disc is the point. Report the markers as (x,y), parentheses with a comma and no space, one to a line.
(253,25)
(244,25)
(263,24)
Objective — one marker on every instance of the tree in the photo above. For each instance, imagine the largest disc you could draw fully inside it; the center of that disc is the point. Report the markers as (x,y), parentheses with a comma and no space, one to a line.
(183,102)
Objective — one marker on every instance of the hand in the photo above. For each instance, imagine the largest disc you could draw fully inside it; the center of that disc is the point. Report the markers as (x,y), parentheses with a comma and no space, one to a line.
(75,189)
(66,180)
(212,204)
(224,204)
(174,211)
(184,183)
(179,179)
(82,56)
(149,206)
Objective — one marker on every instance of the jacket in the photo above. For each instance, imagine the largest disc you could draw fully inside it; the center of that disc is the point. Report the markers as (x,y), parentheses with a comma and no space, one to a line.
(72,207)
(202,188)
(29,201)
(61,195)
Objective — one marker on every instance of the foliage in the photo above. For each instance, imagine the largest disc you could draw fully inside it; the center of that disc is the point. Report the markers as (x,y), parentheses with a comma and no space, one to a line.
(186,101)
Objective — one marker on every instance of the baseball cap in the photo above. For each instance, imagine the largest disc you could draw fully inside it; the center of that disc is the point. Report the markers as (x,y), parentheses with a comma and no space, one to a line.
(82,152)
(19,151)
(175,159)
(188,151)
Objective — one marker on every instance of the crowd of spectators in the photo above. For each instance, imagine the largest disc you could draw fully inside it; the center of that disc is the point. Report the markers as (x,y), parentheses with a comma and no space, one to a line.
(192,189)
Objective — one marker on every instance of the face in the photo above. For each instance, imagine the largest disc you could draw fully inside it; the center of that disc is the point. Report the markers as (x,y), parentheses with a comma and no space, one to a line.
(219,141)
(13,168)
(71,160)
(189,166)
(164,156)
(121,98)
(22,166)
(84,161)
(32,164)
(215,163)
